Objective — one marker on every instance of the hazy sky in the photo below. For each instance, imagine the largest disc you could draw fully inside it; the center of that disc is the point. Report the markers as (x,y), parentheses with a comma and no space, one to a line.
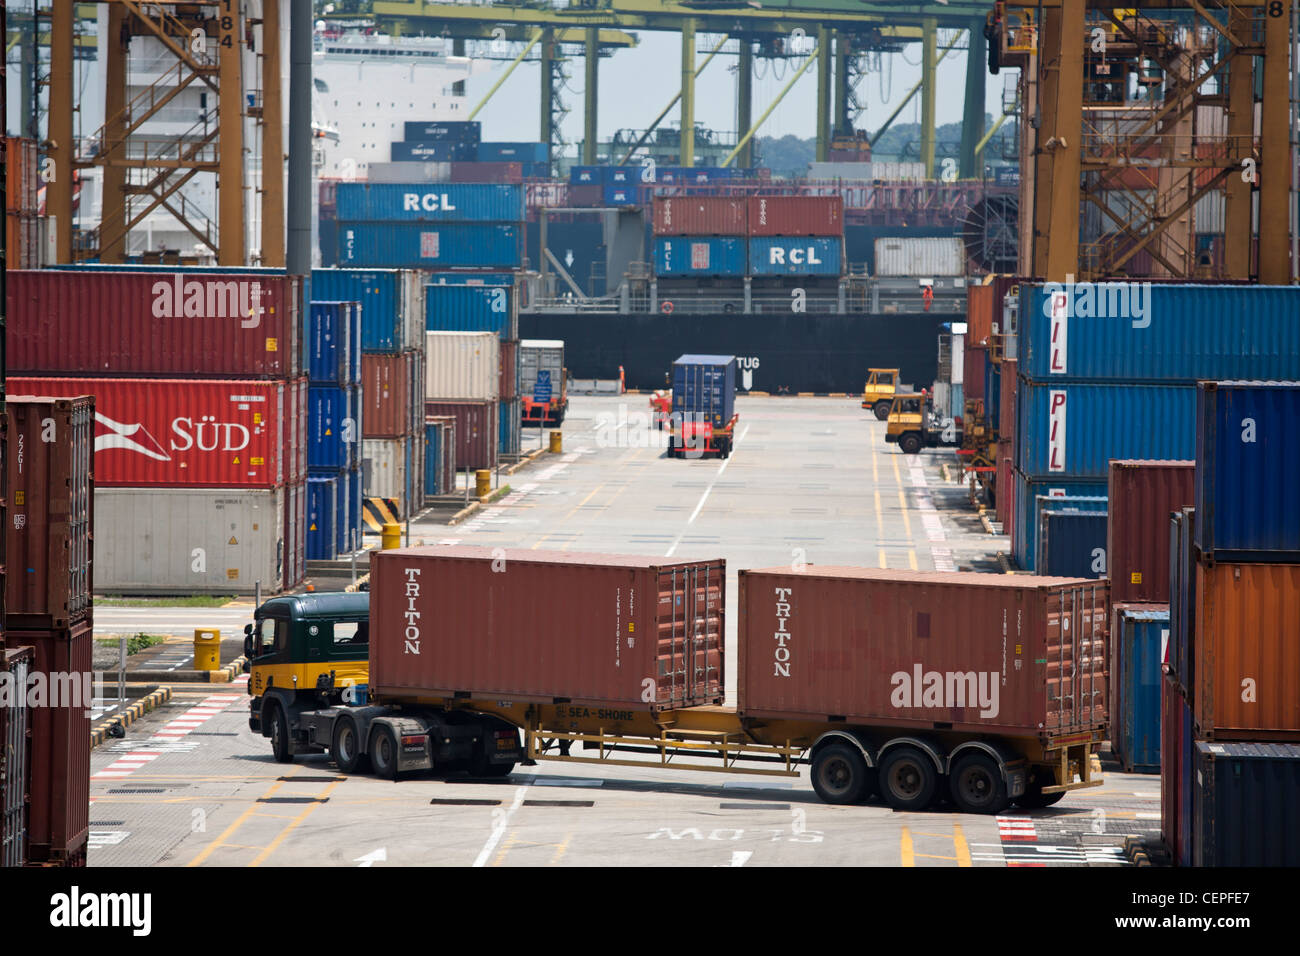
(636,84)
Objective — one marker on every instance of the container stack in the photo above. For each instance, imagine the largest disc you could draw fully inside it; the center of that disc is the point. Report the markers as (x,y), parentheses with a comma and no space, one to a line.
(463,382)
(424,225)
(1233,683)
(441,142)
(543,381)
(22,222)
(334,429)
(201,411)
(1109,371)
(700,236)
(534,159)
(48,609)
(439,456)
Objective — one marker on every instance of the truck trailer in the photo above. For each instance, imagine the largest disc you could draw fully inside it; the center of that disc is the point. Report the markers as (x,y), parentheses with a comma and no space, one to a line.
(985,689)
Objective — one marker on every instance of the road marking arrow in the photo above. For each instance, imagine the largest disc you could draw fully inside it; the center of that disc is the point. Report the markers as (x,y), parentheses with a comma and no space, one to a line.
(373,857)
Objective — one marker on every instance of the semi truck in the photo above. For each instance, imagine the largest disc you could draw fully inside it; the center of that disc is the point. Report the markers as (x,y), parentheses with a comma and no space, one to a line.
(984,690)
(703,419)
(543,381)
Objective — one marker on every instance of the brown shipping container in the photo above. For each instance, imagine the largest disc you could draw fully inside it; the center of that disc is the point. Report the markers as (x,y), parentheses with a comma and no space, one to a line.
(979,314)
(474,172)
(509,370)
(1247,647)
(58,821)
(385,393)
(963,651)
(15,665)
(22,175)
(153,323)
(51,507)
(796,216)
(700,216)
(1007,394)
(605,630)
(1142,494)
(974,358)
(477,424)
(1006,485)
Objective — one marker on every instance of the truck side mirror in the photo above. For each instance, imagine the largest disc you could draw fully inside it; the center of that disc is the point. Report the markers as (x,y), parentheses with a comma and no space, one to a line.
(248,646)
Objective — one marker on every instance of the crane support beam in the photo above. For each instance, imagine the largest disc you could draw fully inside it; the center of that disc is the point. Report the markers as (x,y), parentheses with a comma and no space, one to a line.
(843,122)
(1060,146)
(113,209)
(589,96)
(824,57)
(1237,218)
(687,157)
(745,100)
(230,124)
(673,102)
(1275,267)
(62,149)
(929,65)
(972,120)
(537,36)
(272,240)
(546,122)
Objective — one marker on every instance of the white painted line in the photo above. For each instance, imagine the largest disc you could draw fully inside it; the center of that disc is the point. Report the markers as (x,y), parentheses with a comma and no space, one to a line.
(704,497)
(498,831)
(112,773)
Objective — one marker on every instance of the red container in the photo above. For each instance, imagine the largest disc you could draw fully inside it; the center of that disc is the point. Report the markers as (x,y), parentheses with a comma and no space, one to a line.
(1142,494)
(551,627)
(974,358)
(22,175)
(1171,753)
(700,216)
(386,394)
(51,504)
(295,534)
(164,432)
(298,428)
(58,820)
(1007,396)
(979,314)
(509,371)
(15,666)
(1008,653)
(1006,494)
(796,216)
(477,424)
(465,172)
(213,325)
(586,195)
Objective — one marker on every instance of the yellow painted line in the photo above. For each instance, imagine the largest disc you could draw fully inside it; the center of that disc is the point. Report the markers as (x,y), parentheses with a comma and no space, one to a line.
(230,830)
(883,563)
(909,858)
(538,542)
(931,856)
(561,849)
(911,558)
(505,848)
(311,808)
(961,846)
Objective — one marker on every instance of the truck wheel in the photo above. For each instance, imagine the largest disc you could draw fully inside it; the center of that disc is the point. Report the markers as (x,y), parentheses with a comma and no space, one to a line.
(908,779)
(346,749)
(280,735)
(383,752)
(910,443)
(977,786)
(840,775)
(1033,798)
(882,411)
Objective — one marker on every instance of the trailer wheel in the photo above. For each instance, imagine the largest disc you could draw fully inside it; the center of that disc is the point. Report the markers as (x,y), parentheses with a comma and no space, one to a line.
(1033,798)
(910,443)
(280,735)
(977,786)
(908,779)
(840,775)
(383,752)
(346,748)
(882,411)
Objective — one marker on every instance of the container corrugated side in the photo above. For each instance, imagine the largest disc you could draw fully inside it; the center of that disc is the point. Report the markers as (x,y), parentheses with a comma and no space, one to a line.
(295,534)
(1142,495)
(422,202)
(508,431)
(627,631)
(1180,334)
(15,717)
(1247,459)
(509,379)
(1074,430)
(1008,389)
(462,365)
(700,216)
(472,308)
(380,292)
(1182,600)
(1247,651)
(58,819)
(1071,543)
(1246,796)
(387,472)
(796,255)
(704,388)
(322,517)
(1171,704)
(146,539)
(540,355)
(1032,496)
(385,389)
(1006,653)
(84,322)
(796,216)
(48,464)
(476,440)
(927,258)
(429,245)
(1138,636)
(334,328)
(700,256)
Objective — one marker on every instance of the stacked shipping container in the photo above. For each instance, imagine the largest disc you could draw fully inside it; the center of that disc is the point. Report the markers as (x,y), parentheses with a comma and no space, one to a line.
(22,223)
(334,429)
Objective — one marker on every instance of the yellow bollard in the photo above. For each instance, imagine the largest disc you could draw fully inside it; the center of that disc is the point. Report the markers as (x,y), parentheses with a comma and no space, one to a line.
(483,482)
(390,537)
(207,648)
(557,442)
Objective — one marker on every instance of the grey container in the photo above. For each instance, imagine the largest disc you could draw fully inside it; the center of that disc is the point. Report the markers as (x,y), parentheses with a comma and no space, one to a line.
(1244,800)
(189,540)
(540,355)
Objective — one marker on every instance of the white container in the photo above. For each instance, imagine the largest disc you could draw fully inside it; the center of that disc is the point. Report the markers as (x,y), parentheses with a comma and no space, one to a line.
(387,471)
(462,365)
(189,540)
(409,172)
(923,258)
(544,355)
(868,172)
(413,321)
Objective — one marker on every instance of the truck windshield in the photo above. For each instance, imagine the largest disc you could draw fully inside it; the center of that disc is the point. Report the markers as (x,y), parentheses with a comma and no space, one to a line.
(351,633)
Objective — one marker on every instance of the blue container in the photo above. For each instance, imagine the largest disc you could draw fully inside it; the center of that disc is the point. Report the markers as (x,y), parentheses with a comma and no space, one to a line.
(795,256)
(1032,498)
(1139,640)
(332,428)
(1071,543)
(334,344)
(328,242)
(699,256)
(433,151)
(1182,597)
(322,518)
(508,427)
(704,387)
(1248,471)
(1185,333)
(461,131)
(621,194)
(342,536)
(993,394)
(430,202)
(433,453)
(588,175)
(1245,802)
(382,295)
(471,308)
(430,245)
(1075,430)
(513,152)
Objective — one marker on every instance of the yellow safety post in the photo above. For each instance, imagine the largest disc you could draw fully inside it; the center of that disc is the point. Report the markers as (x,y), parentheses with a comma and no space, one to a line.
(207,648)
(483,482)
(390,537)
(557,442)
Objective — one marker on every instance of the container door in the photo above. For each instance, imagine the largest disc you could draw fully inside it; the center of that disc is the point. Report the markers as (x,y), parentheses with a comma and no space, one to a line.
(1075,664)
(691,635)
(13,740)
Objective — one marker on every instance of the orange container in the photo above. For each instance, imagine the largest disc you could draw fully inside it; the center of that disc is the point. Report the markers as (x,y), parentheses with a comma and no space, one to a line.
(1247,651)
(979,314)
